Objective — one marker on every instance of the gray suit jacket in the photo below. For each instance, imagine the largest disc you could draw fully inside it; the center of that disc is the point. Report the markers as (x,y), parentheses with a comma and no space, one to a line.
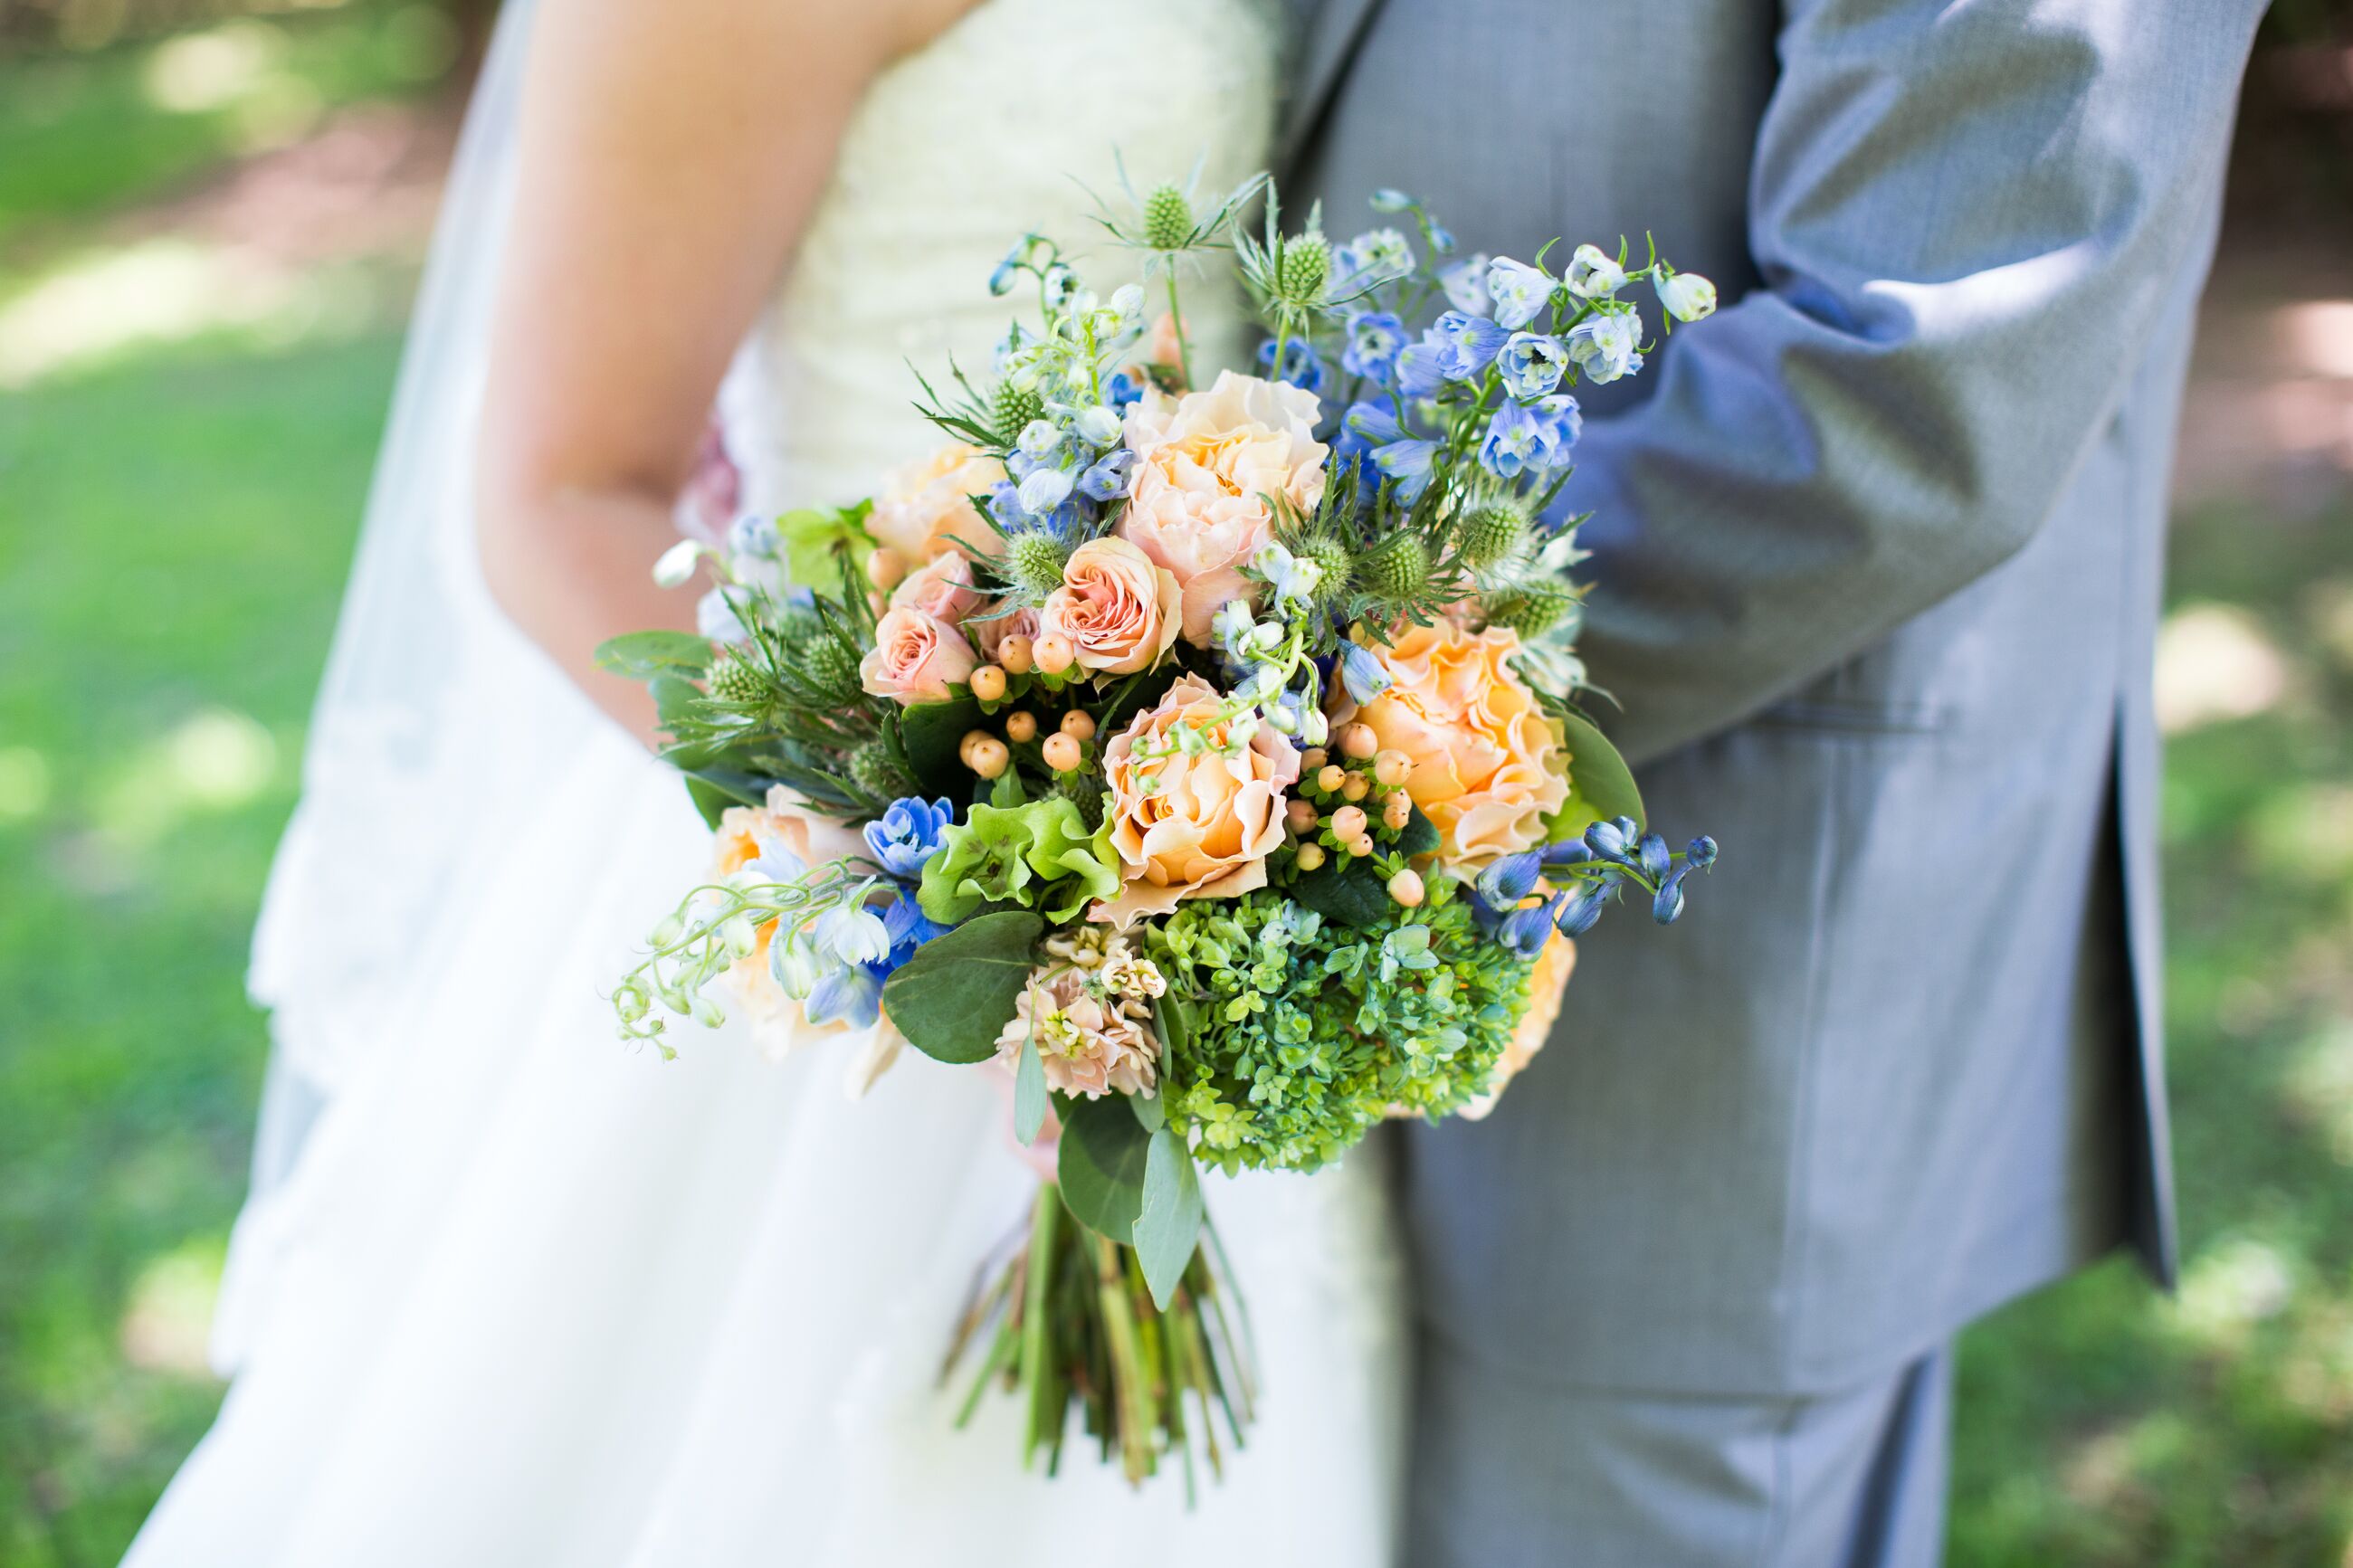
(1877,563)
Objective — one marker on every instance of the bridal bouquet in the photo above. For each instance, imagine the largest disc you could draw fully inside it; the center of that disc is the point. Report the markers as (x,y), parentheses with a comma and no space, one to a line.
(1197,746)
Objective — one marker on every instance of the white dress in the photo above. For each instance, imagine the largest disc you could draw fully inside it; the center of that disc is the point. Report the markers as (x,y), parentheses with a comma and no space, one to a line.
(532,1297)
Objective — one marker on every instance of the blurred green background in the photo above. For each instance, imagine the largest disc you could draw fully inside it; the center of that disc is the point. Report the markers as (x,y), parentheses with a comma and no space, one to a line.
(211,212)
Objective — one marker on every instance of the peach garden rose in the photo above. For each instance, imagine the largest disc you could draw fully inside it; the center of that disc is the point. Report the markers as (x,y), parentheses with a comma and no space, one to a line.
(915,657)
(941,587)
(925,509)
(1119,611)
(1206,463)
(1197,826)
(1488,767)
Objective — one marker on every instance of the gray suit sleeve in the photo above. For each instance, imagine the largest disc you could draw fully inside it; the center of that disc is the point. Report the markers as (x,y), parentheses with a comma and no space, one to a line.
(1966,216)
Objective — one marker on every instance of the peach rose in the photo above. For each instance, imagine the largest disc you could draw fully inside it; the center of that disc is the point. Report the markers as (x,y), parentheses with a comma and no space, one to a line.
(1119,610)
(915,658)
(1163,346)
(1197,827)
(1204,464)
(1556,961)
(990,629)
(941,587)
(925,509)
(1487,766)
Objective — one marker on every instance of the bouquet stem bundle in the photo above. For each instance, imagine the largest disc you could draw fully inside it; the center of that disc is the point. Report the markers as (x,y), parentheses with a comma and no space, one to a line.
(1068,1324)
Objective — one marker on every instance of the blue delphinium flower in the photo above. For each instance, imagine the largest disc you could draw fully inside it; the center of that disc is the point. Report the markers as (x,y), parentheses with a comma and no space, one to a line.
(1506,882)
(1561,414)
(1043,490)
(1373,422)
(1575,915)
(1375,337)
(1390,199)
(1302,365)
(1421,368)
(1592,275)
(1124,391)
(851,995)
(908,928)
(1465,282)
(1364,675)
(1525,931)
(907,834)
(1468,344)
(1515,443)
(849,934)
(1607,346)
(1377,256)
(1518,291)
(753,535)
(1531,364)
(1106,481)
(1407,464)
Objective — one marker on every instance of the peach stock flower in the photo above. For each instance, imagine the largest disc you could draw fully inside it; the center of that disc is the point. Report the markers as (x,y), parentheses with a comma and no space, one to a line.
(1119,610)
(1089,1043)
(1206,463)
(941,587)
(925,509)
(1192,826)
(1488,767)
(915,657)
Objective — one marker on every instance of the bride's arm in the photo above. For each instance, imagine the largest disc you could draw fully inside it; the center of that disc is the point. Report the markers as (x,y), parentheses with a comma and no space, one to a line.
(670,154)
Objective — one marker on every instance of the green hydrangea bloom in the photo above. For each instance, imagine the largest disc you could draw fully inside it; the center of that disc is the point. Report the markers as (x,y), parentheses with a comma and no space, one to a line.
(1305,1032)
(1038,854)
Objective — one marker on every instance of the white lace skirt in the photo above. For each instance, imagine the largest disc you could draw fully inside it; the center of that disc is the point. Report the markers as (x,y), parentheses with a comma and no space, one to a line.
(535,1297)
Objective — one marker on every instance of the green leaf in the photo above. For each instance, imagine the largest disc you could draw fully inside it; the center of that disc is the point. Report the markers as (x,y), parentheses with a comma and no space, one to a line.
(1006,793)
(1168,1225)
(641,656)
(1029,1097)
(1420,837)
(929,733)
(1601,785)
(953,998)
(713,790)
(1343,889)
(1101,1165)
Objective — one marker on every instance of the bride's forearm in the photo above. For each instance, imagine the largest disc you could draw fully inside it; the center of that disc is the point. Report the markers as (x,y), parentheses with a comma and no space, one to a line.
(573,568)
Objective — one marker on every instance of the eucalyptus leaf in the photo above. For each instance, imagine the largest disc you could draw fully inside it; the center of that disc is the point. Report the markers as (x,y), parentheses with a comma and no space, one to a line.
(1602,782)
(641,656)
(1101,1165)
(1168,1225)
(713,790)
(930,734)
(953,998)
(1029,1096)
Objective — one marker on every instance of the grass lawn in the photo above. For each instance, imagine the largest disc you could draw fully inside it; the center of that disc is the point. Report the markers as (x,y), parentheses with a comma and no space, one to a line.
(174,523)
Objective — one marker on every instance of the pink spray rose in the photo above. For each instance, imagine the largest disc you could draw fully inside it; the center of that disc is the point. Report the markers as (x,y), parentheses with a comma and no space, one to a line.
(915,657)
(1119,611)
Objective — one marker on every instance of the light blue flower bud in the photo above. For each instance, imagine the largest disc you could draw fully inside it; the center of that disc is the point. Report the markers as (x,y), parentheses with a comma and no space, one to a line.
(1038,438)
(1390,199)
(1686,296)
(677,564)
(1518,291)
(1097,427)
(1362,673)
(1593,274)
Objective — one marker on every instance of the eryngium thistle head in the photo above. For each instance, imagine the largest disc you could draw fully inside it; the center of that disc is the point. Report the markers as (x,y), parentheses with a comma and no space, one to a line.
(1334,565)
(831,669)
(1168,218)
(1305,265)
(875,771)
(1012,409)
(1531,608)
(1397,570)
(1034,562)
(737,684)
(1491,532)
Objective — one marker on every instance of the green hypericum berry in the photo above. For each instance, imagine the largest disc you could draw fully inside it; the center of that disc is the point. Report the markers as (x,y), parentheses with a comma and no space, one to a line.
(737,684)
(1306,263)
(1013,408)
(1491,532)
(873,769)
(1397,570)
(1531,609)
(1034,562)
(1168,218)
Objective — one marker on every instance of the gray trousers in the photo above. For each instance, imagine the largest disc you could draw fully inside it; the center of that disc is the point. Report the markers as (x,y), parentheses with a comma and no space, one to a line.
(1510,1472)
